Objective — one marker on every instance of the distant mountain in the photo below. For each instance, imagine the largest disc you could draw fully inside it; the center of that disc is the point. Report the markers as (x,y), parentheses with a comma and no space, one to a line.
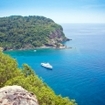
(17,32)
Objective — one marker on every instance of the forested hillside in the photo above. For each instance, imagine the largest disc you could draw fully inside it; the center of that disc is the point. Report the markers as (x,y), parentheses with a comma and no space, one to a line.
(10,74)
(17,32)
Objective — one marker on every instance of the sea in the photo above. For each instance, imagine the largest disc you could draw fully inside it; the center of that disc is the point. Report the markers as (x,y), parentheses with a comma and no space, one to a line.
(79,71)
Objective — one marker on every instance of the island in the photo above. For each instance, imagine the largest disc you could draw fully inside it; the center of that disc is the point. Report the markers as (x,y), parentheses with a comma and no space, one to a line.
(29,32)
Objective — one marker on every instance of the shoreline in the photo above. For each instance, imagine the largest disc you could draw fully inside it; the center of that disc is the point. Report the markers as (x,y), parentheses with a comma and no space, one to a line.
(42,47)
(60,46)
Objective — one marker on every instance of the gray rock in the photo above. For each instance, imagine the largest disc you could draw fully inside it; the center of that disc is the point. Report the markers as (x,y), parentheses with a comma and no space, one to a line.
(16,95)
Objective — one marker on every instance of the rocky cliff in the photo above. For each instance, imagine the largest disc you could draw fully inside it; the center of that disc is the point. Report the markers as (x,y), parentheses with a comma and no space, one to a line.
(16,95)
(56,38)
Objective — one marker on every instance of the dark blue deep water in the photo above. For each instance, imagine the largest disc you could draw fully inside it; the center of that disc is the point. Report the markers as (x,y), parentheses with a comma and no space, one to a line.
(78,73)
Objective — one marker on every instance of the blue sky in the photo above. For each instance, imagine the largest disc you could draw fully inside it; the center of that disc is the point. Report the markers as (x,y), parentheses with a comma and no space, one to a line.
(61,11)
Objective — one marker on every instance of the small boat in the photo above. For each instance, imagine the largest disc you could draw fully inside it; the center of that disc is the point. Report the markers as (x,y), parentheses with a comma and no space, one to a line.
(34,50)
(46,65)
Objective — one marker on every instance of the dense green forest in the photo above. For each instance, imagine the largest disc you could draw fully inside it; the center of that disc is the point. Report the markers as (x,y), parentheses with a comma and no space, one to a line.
(17,32)
(10,74)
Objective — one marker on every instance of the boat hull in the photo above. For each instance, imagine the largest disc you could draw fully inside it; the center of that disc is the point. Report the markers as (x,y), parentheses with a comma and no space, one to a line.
(46,65)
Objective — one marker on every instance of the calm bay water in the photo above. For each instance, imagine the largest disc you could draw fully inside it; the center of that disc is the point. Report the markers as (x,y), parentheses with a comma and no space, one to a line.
(78,73)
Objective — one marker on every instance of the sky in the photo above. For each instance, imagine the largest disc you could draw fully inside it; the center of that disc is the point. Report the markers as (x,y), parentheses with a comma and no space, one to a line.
(61,11)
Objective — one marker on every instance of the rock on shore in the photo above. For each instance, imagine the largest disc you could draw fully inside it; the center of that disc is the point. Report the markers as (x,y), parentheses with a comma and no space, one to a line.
(16,95)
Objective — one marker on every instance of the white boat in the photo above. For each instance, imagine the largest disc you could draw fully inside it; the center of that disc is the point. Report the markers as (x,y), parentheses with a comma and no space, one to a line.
(34,50)
(46,65)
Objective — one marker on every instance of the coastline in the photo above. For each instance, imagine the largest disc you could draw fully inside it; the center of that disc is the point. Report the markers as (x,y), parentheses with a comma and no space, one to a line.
(42,47)
(29,47)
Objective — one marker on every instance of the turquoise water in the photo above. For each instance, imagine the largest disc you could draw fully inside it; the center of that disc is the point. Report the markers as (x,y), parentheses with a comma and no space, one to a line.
(78,73)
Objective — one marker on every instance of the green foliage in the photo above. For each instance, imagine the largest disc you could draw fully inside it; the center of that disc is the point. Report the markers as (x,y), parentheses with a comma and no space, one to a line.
(18,32)
(27,70)
(8,68)
(10,74)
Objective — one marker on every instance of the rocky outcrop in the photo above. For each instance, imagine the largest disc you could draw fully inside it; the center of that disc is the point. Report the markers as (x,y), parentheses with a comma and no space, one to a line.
(57,35)
(1,49)
(56,38)
(16,95)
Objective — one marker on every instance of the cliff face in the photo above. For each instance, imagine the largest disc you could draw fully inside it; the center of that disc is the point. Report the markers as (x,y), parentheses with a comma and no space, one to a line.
(56,38)
(16,95)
